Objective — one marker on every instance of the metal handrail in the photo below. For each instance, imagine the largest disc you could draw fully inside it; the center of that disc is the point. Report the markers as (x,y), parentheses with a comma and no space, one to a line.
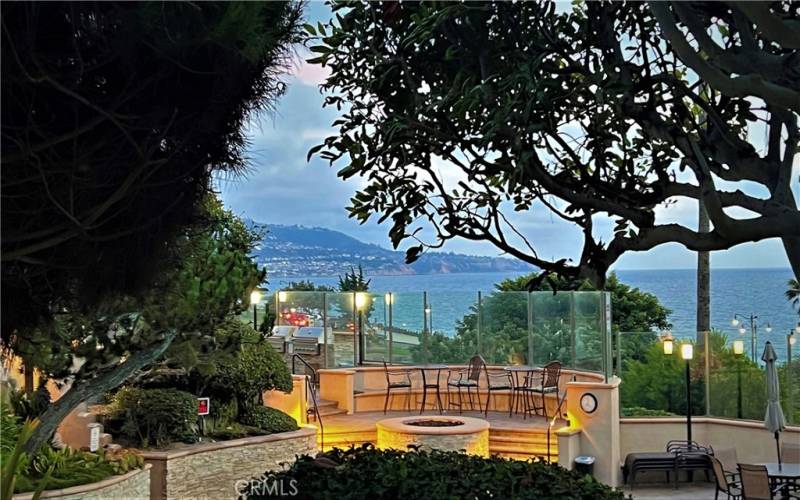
(311,387)
(550,424)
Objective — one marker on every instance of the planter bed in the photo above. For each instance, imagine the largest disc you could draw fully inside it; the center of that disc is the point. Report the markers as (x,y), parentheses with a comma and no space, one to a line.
(134,484)
(212,470)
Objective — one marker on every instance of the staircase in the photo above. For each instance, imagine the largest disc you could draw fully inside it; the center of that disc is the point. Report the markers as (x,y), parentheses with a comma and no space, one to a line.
(522,445)
(327,408)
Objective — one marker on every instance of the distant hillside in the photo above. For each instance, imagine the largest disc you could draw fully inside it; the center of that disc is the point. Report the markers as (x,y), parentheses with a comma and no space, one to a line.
(316,251)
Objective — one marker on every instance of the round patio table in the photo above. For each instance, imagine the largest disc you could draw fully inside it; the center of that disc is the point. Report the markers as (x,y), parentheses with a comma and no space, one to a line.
(432,385)
(518,382)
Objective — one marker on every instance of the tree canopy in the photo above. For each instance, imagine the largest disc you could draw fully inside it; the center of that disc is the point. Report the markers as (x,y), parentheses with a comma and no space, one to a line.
(115,115)
(457,114)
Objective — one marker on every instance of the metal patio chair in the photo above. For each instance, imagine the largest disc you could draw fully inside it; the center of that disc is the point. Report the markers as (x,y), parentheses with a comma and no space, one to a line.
(542,385)
(469,379)
(396,384)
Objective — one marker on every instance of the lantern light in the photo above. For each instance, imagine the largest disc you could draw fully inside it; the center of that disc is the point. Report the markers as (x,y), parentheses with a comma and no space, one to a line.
(742,331)
(735,321)
(738,347)
(282,296)
(768,328)
(361,300)
(389,299)
(687,351)
(255,297)
(668,345)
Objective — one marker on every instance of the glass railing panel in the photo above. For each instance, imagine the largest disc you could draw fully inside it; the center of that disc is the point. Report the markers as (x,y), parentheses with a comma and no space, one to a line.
(553,329)
(653,384)
(452,319)
(736,382)
(341,322)
(374,326)
(409,328)
(589,331)
(504,334)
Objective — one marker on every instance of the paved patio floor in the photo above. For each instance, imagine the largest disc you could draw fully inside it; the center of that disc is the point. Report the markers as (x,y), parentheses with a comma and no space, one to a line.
(696,491)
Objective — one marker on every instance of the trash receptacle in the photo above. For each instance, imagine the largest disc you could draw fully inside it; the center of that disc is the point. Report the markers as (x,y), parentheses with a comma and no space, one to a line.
(584,465)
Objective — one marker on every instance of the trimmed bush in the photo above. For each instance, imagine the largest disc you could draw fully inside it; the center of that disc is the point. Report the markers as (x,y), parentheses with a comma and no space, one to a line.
(269,419)
(154,417)
(365,472)
(256,368)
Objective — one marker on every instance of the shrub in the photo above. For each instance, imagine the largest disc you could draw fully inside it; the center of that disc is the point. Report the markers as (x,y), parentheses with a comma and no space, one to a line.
(256,368)
(369,473)
(154,417)
(269,420)
(638,411)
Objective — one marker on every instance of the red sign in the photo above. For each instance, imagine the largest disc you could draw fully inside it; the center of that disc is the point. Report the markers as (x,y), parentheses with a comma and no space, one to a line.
(203,406)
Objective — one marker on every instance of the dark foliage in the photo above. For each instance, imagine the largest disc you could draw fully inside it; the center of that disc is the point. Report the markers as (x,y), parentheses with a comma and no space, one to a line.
(153,417)
(456,114)
(365,472)
(269,420)
(115,115)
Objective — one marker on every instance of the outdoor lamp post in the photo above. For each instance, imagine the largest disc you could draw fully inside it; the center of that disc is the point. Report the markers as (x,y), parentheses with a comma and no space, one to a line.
(430,318)
(360,301)
(790,340)
(753,330)
(738,350)
(389,299)
(255,298)
(687,353)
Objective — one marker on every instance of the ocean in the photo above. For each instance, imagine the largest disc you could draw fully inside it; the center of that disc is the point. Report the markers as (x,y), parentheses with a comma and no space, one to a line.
(733,291)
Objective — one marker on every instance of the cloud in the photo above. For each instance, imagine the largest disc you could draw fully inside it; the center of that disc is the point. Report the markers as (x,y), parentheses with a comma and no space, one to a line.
(311,74)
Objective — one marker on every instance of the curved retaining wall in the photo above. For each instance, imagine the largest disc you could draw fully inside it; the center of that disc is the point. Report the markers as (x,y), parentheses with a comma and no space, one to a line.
(133,485)
(212,470)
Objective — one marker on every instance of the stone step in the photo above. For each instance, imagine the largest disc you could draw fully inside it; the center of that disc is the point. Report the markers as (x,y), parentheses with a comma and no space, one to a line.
(330,410)
(536,439)
(324,403)
(524,456)
(523,450)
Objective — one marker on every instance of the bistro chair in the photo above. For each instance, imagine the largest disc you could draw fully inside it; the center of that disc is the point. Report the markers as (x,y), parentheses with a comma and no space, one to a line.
(497,382)
(402,380)
(756,484)
(725,483)
(542,385)
(727,457)
(790,453)
(469,379)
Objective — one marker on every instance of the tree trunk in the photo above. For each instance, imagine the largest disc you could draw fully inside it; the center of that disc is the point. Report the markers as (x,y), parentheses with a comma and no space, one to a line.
(703,279)
(86,390)
(792,246)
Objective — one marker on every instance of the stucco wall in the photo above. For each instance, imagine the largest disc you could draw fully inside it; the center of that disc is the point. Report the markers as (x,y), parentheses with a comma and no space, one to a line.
(133,485)
(752,442)
(212,470)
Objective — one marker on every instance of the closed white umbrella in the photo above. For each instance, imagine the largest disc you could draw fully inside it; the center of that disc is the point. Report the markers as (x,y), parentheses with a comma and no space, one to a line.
(774,421)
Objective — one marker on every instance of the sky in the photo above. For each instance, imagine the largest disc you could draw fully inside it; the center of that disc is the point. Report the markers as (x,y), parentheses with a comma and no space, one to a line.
(283,188)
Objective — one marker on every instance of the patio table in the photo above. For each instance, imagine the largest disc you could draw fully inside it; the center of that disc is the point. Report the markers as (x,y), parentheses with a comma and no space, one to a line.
(425,385)
(782,473)
(518,382)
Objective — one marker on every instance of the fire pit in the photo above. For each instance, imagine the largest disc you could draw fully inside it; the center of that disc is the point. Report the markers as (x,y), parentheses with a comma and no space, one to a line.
(441,433)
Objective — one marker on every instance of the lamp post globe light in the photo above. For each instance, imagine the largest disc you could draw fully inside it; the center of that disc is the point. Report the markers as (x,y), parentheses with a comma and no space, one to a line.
(255,298)
(752,318)
(738,350)
(687,353)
